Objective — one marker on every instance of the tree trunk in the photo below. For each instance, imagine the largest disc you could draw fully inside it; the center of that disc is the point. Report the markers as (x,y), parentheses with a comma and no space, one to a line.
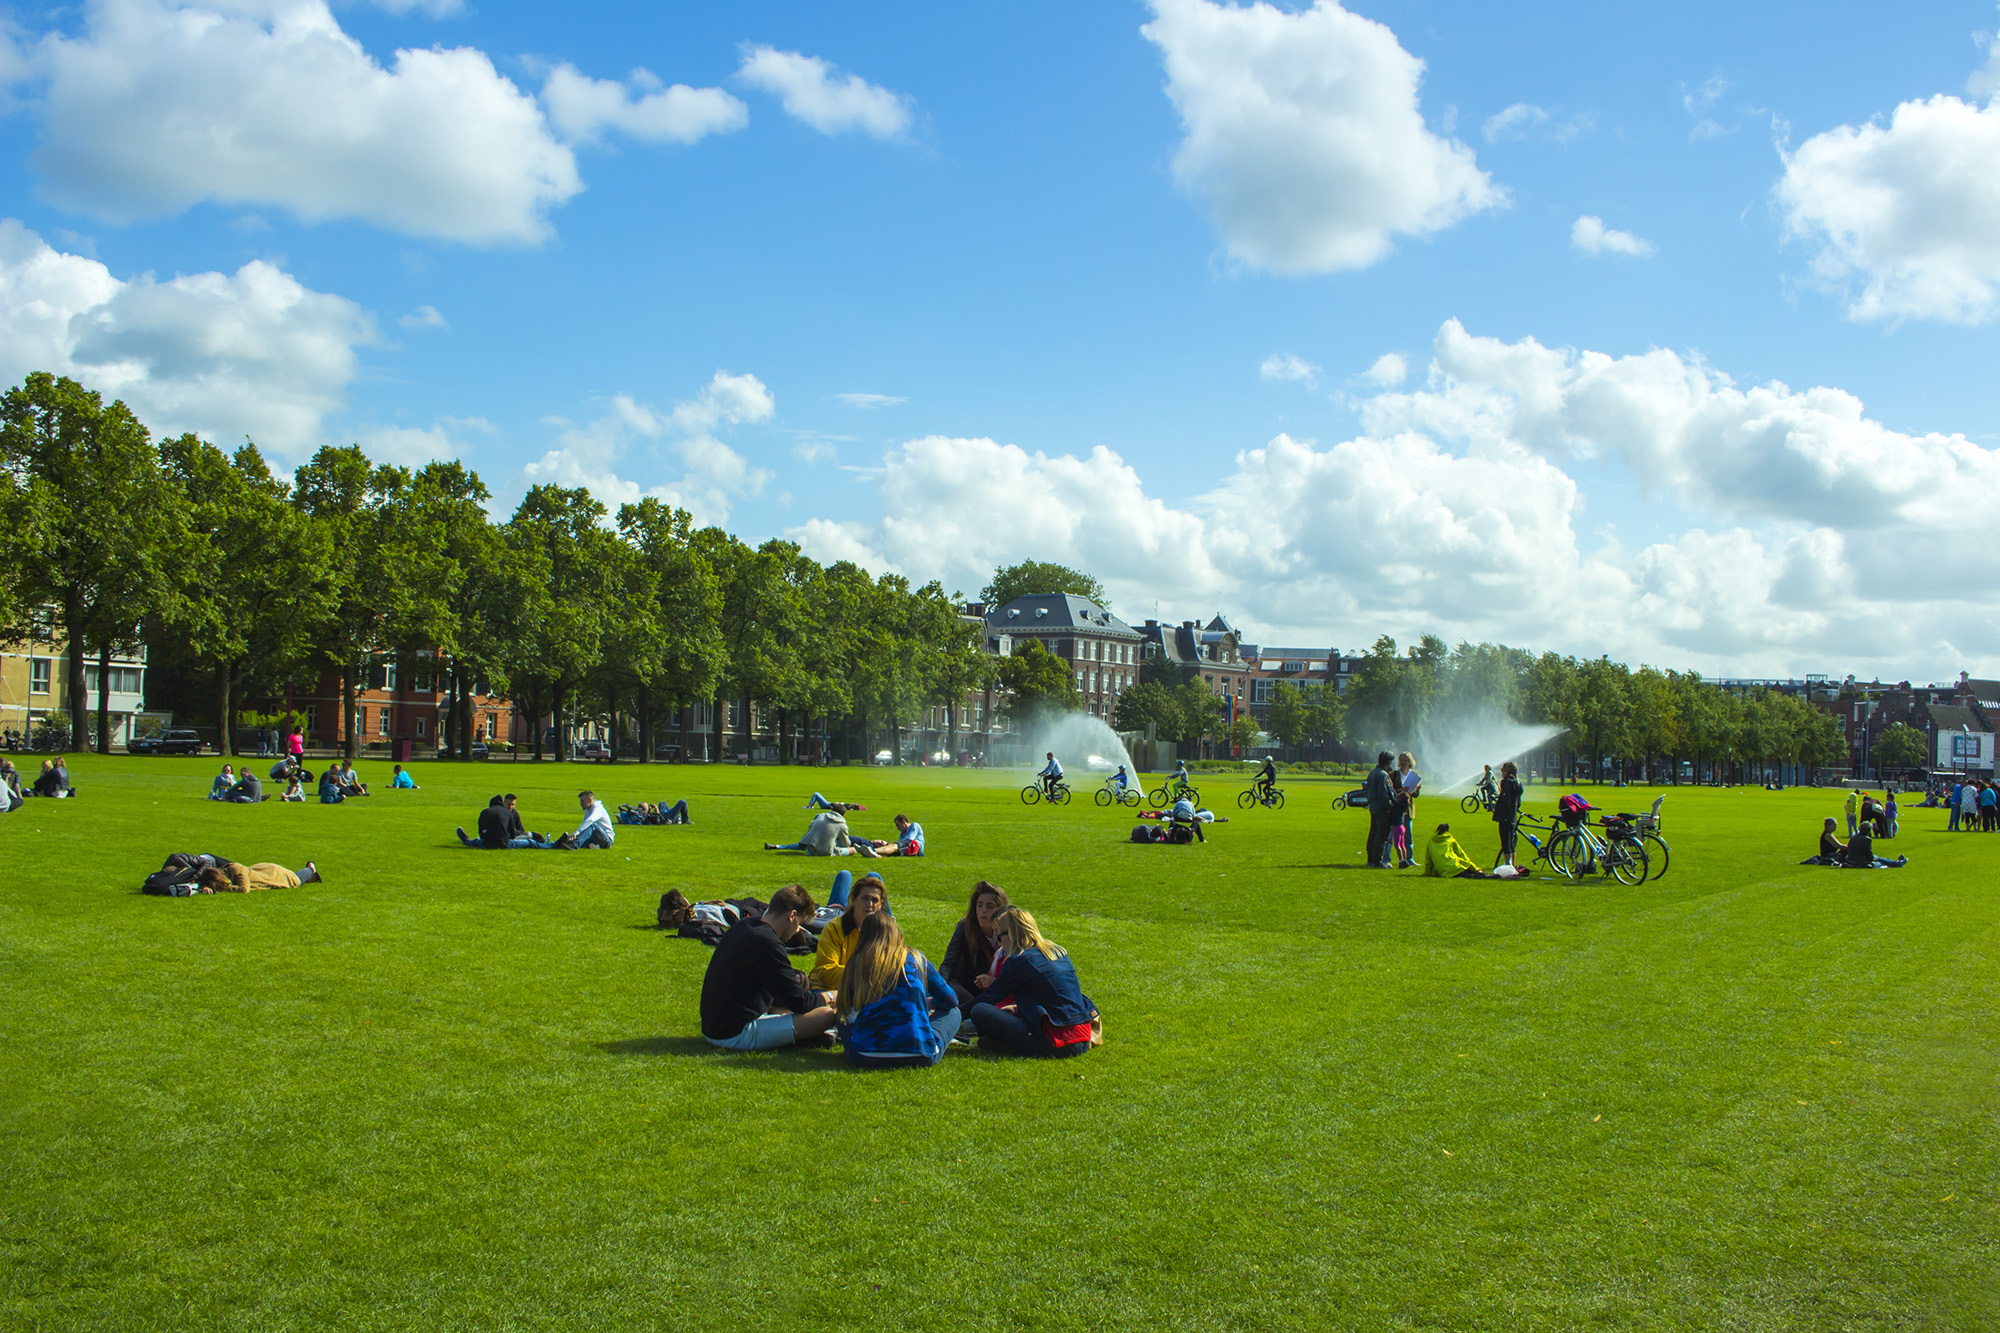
(645,724)
(350,745)
(749,727)
(535,719)
(715,724)
(73,643)
(104,698)
(556,720)
(225,739)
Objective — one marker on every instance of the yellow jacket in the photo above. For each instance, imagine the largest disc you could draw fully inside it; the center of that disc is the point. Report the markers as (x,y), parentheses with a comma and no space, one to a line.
(836,946)
(1443,857)
(1853,804)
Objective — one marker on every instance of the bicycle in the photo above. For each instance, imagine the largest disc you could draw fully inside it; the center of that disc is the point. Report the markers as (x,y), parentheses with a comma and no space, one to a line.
(1275,801)
(1482,799)
(1578,850)
(1056,795)
(1111,792)
(1163,796)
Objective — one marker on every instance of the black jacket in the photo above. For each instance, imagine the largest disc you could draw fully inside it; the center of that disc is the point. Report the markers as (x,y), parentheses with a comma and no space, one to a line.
(493,826)
(1381,789)
(965,960)
(1507,809)
(750,976)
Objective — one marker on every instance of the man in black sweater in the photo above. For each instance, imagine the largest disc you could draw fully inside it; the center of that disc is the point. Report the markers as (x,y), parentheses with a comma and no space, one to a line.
(249,789)
(752,998)
(1382,810)
(500,827)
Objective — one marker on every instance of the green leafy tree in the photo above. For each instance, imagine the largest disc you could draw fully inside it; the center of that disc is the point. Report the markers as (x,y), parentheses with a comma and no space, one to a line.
(91,522)
(1304,715)
(1900,746)
(1039,684)
(1149,703)
(1243,733)
(559,531)
(687,653)
(1032,578)
(1200,711)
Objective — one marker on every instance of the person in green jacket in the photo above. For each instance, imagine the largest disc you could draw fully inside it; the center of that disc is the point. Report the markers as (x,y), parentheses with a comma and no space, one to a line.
(1444,858)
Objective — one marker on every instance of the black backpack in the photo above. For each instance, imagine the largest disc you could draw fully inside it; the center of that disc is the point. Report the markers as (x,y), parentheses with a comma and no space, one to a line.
(172,882)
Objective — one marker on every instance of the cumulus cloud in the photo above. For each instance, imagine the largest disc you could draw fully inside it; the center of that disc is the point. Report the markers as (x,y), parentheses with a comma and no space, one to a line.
(1514,122)
(1465,478)
(1904,217)
(226,355)
(583,108)
(408,446)
(1591,236)
(1304,136)
(1284,366)
(1388,370)
(810,90)
(713,475)
(158,106)
(424,317)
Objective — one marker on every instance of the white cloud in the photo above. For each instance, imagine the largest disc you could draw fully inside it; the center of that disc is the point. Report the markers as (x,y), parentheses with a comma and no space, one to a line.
(1514,122)
(871,400)
(226,355)
(424,317)
(1286,366)
(408,446)
(1464,481)
(713,475)
(158,106)
(1985,81)
(1304,134)
(1591,236)
(583,108)
(437,9)
(1389,370)
(814,452)
(1904,217)
(810,91)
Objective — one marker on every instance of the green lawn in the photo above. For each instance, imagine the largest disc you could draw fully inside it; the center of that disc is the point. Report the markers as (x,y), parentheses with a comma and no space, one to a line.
(461,1090)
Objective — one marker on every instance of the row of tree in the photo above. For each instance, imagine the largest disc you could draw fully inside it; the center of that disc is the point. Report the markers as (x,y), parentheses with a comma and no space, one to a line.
(231,574)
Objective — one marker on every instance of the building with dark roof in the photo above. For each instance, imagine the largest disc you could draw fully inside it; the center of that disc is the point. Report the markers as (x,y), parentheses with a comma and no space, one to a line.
(1102,651)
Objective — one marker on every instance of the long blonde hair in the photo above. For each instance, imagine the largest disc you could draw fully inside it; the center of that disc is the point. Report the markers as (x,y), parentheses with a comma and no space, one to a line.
(876,967)
(1018,928)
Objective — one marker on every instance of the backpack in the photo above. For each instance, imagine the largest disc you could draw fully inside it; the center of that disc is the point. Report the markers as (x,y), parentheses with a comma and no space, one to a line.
(1148,833)
(1573,808)
(172,881)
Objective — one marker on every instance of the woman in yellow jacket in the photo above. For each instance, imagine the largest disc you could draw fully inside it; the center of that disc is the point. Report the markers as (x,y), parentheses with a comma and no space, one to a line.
(842,934)
(233,878)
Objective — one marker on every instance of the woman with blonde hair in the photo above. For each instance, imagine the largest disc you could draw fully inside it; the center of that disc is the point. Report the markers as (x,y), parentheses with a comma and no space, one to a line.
(1034,1006)
(842,935)
(894,1007)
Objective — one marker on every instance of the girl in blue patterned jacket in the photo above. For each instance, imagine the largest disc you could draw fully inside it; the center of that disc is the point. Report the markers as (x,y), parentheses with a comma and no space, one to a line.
(894,1008)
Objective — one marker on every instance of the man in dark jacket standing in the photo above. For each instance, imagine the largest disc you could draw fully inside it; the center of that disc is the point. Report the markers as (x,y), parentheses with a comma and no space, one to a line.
(752,998)
(1381,789)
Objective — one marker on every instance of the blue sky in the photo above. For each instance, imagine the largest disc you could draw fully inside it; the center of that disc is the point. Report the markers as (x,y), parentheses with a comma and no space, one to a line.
(1692,308)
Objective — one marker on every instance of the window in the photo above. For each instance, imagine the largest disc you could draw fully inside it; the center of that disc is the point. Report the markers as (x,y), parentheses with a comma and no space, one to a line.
(490,720)
(124,680)
(422,723)
(389,676)
(361,719)
(312,719)
(704,717)
(381,722)
(38,675)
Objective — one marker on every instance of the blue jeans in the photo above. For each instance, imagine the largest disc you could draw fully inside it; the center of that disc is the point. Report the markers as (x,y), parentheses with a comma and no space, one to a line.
(597,837)
(677,812)
(1010,1035)
(945,1025)
(819,802)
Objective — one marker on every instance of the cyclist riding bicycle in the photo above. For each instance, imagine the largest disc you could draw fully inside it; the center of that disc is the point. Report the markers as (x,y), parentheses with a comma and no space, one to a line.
(1488,791)
(1180,781)
(1267,777)
(1050,775)
(1120,781)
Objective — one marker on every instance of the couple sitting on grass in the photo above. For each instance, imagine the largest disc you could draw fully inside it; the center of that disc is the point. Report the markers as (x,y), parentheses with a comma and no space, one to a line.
(246,789)
(1857,853)
(889,1005)
(500,827)
(828,835)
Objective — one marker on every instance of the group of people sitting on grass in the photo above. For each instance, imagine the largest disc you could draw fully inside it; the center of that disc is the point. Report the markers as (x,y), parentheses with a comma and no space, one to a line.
(889,1005)
(52,781)
(1975,807)
(500,828)
(1857,852)
(1865,810)
(829,835)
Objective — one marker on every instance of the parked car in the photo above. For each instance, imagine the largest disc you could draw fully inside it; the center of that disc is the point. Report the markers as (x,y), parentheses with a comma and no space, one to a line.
(884,757)
(594,750)
(169,742)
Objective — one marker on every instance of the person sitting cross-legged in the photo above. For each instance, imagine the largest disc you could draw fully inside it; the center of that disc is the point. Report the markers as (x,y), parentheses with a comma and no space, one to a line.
(249,789)
(402,781)
(330,790)
(1034,1006)
(1829,842)
(594,831)
(909,839)
(500,828)
(1444,858)
(975,947)
(219,789)
(752,998)
(837,939)
(894,1008)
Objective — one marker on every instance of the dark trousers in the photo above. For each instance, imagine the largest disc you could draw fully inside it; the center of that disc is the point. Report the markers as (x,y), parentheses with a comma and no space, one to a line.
(1380,823)
(1009,1035)
(1509,832)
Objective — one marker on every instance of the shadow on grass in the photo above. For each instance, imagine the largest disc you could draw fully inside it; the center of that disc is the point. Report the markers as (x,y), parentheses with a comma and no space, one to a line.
(1329,865)
(660,1046)
(784,1060)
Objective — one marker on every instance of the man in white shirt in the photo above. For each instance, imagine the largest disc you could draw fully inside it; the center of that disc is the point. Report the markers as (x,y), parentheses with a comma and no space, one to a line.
(594,831)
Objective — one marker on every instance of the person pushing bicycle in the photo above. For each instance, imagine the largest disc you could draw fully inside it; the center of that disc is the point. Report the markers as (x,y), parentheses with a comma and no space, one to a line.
(1050,775)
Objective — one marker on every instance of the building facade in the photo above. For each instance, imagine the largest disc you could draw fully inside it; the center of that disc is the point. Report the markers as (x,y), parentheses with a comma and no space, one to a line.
(34,689)
(1102,651)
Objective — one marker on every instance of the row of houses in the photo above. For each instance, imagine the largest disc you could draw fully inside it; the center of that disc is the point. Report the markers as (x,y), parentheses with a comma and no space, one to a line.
(405,711)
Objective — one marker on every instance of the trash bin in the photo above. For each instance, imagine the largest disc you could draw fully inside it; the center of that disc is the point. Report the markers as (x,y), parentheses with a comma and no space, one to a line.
(401,749)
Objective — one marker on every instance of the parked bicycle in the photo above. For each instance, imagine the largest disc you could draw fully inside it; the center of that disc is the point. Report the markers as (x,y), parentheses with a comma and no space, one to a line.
(1572,848)
(1274,801)
(1111,792)
(1056,795)
(1164,796)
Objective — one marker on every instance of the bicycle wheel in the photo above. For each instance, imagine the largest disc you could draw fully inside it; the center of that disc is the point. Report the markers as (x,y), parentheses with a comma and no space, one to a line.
(1192,795)
(1470,805)
(1158,796)
(1568,854)
(1277,800)
(1656,855)
(1246,799)
(1340,802)
(1060,796)
(1130,798)
(1029,795)
(1627,860)
(1103,796)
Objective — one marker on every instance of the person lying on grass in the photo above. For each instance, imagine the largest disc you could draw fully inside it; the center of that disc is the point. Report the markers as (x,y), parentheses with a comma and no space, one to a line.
(974,952)
(233,878)
(647,813)
(909,839)
(827,835)
(500,828)
(1034,1006)
(819,802)
(752,998)
(894,1008)
(838,938)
